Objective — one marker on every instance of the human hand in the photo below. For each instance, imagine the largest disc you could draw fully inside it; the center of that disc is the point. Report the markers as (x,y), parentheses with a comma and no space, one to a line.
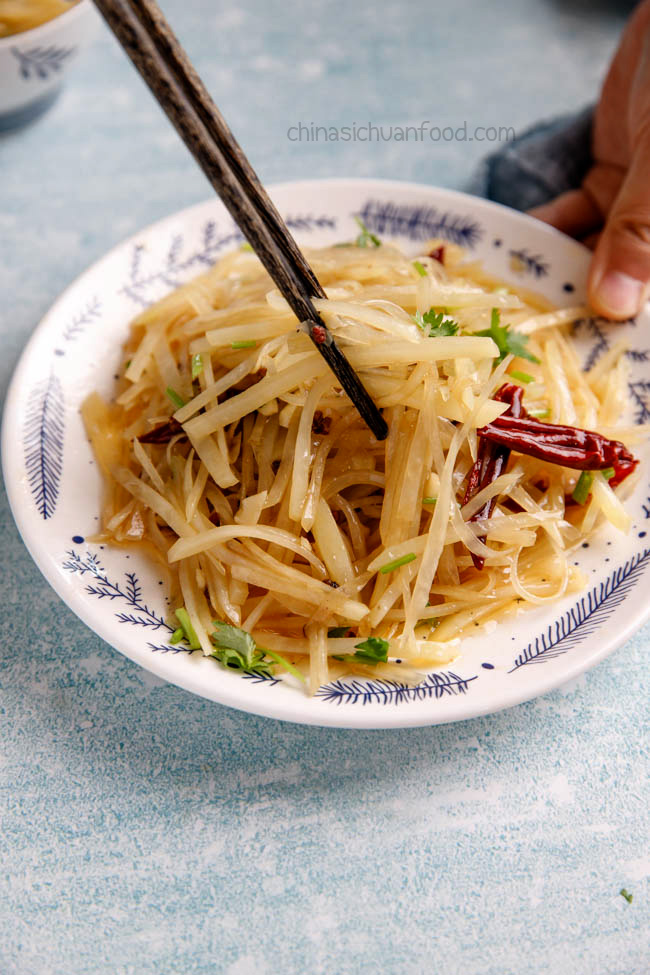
(611,210)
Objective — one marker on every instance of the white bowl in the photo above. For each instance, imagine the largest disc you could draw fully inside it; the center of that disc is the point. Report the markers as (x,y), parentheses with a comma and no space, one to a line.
(34,63)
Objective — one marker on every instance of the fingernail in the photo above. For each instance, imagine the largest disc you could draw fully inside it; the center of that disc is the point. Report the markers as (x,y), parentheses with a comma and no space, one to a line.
(619,293)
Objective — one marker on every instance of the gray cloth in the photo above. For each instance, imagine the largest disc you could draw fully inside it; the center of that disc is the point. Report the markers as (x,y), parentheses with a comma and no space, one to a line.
(547,159)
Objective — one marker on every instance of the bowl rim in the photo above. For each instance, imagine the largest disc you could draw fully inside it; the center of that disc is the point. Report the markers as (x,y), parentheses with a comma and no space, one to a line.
(35,33)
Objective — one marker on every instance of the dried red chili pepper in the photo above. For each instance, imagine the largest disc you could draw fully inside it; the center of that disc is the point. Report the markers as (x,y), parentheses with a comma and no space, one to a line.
(573,447)
(492,459)
(162,433)
(581,450)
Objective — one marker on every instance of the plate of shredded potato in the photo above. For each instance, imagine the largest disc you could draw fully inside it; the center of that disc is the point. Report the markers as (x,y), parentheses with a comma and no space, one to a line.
(194,483)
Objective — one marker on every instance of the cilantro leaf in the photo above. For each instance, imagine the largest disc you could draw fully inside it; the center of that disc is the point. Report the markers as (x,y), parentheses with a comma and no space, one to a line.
(374,650)
(507,342)
(434,324)
(236,649)
(516,344)
(366,238)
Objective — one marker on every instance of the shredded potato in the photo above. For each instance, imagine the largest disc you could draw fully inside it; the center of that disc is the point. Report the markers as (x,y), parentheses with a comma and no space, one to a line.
(275,510)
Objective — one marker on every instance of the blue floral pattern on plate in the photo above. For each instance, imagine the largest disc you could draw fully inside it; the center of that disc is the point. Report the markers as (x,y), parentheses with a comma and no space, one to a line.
(419,222)
(129,592)
(435,685)
(43,443)
(183,257)
(586,616)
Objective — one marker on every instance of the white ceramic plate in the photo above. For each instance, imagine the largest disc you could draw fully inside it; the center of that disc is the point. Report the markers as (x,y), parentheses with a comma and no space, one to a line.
(54,486)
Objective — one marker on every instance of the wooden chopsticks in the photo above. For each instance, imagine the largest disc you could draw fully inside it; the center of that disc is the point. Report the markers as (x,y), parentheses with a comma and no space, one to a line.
(145,35)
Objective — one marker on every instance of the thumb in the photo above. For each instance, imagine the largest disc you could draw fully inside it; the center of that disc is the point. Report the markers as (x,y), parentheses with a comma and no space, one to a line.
(620,269)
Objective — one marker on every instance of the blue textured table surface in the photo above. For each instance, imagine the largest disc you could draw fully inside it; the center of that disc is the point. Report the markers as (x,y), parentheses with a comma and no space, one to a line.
(145,831)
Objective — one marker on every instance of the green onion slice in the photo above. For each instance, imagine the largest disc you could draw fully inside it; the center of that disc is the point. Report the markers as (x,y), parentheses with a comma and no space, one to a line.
(177,400)
(582,489)
(398,563)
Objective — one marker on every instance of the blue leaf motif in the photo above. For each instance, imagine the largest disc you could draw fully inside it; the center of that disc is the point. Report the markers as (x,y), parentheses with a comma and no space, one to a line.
(307,223)
(257,678)
(43,443)
(419,222)
(640,393)
(79,322)
(601,329)
(129,593)
(638,355)
(143,285)
(529,263)
(170,648)
(597,328)
(588,614)
(436,685)
(41,62)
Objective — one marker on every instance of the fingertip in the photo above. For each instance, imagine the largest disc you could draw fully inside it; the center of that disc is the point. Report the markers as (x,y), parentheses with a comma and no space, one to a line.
(616,295)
